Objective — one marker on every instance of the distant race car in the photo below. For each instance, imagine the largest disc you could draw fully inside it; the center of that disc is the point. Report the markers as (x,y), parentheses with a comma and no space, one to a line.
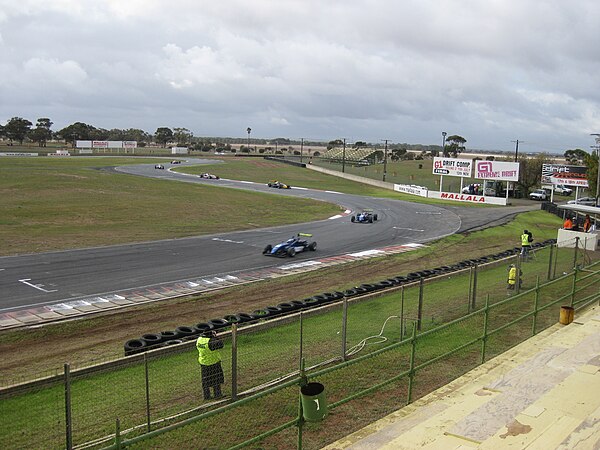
(175,161)
(366,216)
(278,185)
(209,176)
(292,246)
(159,166)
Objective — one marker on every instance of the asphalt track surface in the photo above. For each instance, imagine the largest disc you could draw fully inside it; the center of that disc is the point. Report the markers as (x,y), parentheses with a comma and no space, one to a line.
(40,279)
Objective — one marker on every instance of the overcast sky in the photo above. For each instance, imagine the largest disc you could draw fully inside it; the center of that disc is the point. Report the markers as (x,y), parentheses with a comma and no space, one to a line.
(492,71)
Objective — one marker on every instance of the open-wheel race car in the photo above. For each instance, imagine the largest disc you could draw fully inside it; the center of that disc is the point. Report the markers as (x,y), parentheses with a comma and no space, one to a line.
(278,185)
(159,166)
(366,216)
(208,176)
(292,246)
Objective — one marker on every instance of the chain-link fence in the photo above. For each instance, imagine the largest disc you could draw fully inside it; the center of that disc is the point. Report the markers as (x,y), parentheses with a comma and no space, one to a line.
(375,352)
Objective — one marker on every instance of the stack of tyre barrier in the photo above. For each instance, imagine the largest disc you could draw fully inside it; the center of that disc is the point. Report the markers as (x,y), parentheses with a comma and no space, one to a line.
(181,334)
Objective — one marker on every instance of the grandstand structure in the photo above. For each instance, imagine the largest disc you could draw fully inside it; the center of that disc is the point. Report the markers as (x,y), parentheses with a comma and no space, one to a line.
(358,156)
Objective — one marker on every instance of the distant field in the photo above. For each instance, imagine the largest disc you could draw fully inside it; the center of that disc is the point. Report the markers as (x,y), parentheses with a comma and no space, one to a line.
(61,203)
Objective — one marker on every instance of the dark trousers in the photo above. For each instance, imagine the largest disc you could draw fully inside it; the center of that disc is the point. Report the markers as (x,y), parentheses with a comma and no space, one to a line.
(212,376)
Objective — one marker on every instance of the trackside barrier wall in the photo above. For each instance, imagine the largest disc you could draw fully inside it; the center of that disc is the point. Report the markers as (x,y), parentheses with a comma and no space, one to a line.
(364,345)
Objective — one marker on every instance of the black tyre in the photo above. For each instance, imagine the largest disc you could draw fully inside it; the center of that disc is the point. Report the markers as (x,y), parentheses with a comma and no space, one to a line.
(151,339)
(313,246)
(218,323)
(291,252)
(310,302)
(260,314)
(232,318)
(287,307)
(375,217)
(267,249)
(244,317)
(274,310)
(202,327)
(168,335)
(172,342)
(187,331)
(134,346)
(353,219)
(370,220)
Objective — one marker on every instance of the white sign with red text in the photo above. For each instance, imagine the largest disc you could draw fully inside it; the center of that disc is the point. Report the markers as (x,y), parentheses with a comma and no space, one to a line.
(453,167)
(467,198)
(497,170)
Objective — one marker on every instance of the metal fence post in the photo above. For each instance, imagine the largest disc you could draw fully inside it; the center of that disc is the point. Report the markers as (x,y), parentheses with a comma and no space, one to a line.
(68,422)
(147,391)
(486,313)
(536,299)
(470,289)
(555,262)
(420,311)
(411,373)
(550,262)
(474,293)
(402,313)
(118,434)
(518,280)
(574,286)
(344,327)
(303,381)
(575,253)
(300,363)
(234,363)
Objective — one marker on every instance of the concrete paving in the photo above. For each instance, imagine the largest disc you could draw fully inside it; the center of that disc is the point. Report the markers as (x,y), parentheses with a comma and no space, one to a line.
(542,394)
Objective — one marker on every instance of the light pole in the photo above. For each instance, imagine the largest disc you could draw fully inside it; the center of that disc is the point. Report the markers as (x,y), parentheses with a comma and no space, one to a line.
(444,143)
(597,147)
(385,159)
(301,148)
(248,130)
(517,149)
(344,157)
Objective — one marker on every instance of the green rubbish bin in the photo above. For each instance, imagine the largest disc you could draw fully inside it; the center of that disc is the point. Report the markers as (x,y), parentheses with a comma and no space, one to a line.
(314,404)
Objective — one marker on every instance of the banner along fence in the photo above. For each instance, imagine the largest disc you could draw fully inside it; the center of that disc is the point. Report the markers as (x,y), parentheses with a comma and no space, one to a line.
(396,345)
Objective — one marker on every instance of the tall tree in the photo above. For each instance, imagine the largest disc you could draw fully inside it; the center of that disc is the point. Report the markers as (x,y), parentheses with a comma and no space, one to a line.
(182,136)
(334,143)
(41,133)
(530,171)
(78,131)
(17,128)
(455,144)
(163,135)
(576,156)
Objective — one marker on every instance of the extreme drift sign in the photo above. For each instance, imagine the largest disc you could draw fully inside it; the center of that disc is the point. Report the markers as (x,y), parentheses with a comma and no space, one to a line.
(468,198)
(453,167)
(497,170)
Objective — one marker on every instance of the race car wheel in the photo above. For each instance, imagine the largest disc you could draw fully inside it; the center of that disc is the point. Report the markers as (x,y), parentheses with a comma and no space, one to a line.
(352,219)
(313,246)
(267,249)
(370,220)
(291,252)
(375,217)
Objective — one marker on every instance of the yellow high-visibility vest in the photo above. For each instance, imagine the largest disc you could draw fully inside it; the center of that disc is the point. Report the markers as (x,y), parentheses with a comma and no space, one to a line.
(206,356)
(512,275)
(525,240)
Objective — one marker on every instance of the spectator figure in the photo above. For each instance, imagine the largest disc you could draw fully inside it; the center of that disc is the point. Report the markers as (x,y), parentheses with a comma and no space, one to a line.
(208,345)
(526,240)
(587,223)
(568,224)
(512,277)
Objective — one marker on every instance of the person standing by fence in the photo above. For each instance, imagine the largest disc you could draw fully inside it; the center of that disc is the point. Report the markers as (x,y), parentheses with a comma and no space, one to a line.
(526,239)
(208,345)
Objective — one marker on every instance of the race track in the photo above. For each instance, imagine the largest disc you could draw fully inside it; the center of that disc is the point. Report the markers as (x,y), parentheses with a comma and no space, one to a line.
(30,281)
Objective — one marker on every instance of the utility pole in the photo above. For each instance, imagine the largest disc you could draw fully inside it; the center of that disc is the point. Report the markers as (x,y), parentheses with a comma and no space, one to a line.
(301,148)
(597,147)
(385,159)
(344,157)
(444,143)
(516,149)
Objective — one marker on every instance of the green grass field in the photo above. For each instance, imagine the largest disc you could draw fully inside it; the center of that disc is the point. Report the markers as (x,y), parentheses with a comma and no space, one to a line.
(61,203)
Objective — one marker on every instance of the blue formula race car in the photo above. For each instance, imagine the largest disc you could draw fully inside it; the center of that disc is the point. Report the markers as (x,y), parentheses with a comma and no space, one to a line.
(366,216)
(292,246)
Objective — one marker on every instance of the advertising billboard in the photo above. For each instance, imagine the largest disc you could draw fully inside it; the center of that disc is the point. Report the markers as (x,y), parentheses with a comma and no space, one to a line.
(562,174)
(453,167)
(497,170)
